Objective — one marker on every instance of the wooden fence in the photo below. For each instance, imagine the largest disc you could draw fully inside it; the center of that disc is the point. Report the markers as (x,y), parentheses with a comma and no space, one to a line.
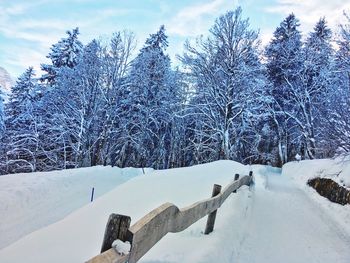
(146,232)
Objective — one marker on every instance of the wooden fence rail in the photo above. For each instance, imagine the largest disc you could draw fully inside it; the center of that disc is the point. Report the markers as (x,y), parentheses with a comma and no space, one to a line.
(146,232)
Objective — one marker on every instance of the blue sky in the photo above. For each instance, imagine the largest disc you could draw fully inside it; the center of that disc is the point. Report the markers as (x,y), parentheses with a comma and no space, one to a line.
(29,27)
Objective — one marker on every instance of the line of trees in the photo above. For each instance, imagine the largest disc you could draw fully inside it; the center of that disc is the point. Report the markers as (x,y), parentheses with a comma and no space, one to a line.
(230,99)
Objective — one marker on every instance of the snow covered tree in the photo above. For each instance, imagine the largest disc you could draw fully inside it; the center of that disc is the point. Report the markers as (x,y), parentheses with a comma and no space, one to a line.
(339,111)
(312,95)
(116,64)
(74,104)
(2,132)
(63,54)
(59,125)
(97,106)
(285,59)
(2,113)
(22,138)
(83,106)
(227,76)
(153,94)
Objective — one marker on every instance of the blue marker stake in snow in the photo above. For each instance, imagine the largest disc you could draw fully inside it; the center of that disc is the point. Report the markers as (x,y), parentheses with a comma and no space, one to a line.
(92,194)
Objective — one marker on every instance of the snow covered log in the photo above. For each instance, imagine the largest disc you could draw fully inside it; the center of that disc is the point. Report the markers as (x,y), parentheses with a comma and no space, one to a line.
(109,256)
(331,190)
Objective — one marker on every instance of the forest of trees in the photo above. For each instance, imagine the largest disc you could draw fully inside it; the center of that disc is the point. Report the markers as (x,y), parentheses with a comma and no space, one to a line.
(229,98)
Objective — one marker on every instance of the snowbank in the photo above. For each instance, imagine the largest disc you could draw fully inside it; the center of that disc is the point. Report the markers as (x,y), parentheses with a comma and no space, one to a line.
(78,236)
(336,169)
(31,201)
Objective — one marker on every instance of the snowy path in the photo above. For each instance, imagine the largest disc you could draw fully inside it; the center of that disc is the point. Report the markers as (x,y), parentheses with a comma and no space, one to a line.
(285,225)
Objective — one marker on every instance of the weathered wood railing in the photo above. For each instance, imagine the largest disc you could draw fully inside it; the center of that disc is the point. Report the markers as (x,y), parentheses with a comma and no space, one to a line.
(146,232)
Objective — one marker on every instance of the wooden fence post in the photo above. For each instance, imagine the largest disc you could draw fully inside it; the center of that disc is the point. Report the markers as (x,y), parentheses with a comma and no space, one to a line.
(116,228)
(236,178)
(211,218)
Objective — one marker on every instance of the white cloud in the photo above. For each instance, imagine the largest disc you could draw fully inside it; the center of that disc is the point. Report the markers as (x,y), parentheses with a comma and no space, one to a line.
(18,8)
(31,58)
(196,19)
(42,39)
(310,11)
(28,38)
(19,59)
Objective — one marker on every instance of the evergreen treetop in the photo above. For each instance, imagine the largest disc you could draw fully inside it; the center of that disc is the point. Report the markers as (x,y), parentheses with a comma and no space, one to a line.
(64,53)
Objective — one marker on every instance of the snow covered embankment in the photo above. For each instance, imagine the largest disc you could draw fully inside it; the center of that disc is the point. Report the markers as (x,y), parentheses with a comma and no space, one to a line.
(78,236)
(336,169)
(31,201)
(285,225)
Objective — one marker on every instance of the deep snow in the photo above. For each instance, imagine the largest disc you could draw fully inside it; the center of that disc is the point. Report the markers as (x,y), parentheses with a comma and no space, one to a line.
(279,220)
(336,169)
(31,201)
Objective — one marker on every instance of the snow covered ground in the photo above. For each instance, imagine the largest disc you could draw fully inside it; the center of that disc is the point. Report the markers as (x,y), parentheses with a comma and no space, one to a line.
(336,169)
(32,201)
(278,220)
(285,225)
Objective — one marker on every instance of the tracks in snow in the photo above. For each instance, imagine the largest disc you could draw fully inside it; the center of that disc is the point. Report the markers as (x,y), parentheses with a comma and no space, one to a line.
(285,225)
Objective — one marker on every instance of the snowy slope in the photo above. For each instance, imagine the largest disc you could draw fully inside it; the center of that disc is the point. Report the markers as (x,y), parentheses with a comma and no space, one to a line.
(78,236)
(33,200)
(336,169)
(276,221)
(285,225)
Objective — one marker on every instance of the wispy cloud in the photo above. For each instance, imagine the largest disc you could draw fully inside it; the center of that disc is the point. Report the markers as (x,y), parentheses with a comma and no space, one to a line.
(196,19)
(19,7)
(41,39)
(34,32)
(34,57)
(310,11)
(29,28)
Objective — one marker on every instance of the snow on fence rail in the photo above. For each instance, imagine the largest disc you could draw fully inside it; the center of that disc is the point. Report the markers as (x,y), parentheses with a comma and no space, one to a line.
(146,232)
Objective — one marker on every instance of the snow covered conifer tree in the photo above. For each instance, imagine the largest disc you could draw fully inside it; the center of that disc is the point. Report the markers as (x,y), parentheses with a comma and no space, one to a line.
(150,101)
(2,114)
(74,104)
(284,65)
(63,54)
(339,110)
(2,131)
(22,138)
(312,95)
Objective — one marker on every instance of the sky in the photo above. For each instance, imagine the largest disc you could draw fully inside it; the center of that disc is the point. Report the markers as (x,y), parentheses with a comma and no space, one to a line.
(28,28)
